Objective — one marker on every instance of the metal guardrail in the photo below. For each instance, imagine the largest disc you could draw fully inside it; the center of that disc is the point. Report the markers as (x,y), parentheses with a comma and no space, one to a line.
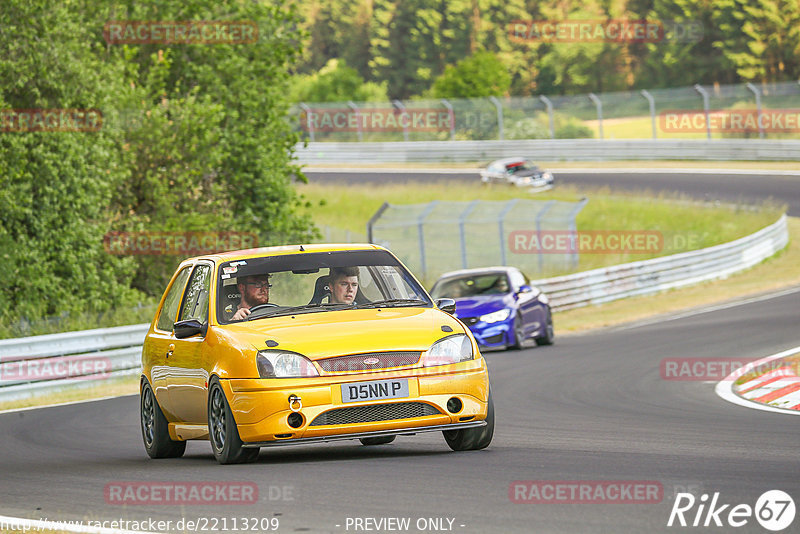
(112,352)
(32,366)
(652,276)
(550,150)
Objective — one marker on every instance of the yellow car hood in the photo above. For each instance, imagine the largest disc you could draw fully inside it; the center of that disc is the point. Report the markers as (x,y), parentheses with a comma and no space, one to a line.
(333,333)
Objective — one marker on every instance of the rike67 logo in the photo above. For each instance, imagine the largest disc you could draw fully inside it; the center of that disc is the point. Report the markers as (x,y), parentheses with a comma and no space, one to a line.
(774,510)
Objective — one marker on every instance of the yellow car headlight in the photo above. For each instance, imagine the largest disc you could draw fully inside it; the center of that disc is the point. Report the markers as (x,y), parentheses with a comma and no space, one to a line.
(283,364)
(452,349)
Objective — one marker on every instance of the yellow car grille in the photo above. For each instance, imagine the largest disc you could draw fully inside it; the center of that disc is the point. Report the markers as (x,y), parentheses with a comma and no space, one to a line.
(368,361)
(374,412)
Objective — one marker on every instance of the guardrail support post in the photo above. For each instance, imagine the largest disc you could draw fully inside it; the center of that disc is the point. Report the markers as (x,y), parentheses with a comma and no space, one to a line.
(593,97)
(756,92)
(452,118)
(499,107)
(699,88)
(549,105)
(645,93)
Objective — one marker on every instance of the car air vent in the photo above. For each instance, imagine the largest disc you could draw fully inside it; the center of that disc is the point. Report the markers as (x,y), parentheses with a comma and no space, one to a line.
(374,412)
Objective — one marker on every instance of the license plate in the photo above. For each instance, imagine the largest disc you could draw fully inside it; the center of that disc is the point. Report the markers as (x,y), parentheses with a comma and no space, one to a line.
(374,390)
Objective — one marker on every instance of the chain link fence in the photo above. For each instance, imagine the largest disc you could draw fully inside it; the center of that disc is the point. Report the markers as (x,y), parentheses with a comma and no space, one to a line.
(766,111)
(442,236)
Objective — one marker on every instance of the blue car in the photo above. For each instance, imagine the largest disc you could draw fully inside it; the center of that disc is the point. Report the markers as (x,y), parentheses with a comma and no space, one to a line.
(499,306)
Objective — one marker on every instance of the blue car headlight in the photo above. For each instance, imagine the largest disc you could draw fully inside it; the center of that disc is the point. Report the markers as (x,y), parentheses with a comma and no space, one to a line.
(452,349)
(496,317)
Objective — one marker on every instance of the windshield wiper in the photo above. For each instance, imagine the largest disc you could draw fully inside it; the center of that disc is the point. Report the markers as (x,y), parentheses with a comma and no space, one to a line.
(390,302)
(305,308)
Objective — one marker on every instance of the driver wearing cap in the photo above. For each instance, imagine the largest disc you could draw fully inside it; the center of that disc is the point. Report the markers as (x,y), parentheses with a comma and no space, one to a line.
(255,292)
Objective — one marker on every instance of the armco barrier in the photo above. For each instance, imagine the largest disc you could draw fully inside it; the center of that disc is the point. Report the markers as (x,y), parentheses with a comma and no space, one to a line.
(549,150)
(120,348)
(33,366)
(659,274)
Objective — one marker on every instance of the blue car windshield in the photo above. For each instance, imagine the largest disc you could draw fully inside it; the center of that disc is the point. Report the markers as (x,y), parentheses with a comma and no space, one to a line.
(473,285)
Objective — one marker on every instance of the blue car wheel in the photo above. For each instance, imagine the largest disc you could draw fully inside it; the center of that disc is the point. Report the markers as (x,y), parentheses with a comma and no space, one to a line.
(518,333)
(549,336)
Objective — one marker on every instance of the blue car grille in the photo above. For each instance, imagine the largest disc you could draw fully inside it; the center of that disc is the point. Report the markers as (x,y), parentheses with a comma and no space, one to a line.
(469,321)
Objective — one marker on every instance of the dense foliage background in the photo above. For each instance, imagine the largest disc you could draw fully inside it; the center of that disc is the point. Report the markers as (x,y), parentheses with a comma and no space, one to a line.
(419,47)
(194,138)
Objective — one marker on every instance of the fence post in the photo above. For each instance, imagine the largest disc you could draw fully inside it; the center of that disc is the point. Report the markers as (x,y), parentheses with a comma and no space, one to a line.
(307,109)
(756,92)
(499,107)
(399,105)
(374,219)
(699,88)
(573,227)
(352,105)
(599,104)
(461,219)
(645,93)
(500,219)
(539,217)
(421,233)
(452,118)
(549,105)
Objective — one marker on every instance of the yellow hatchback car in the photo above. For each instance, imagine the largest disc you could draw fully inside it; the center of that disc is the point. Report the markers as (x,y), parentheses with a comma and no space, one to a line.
(304,344)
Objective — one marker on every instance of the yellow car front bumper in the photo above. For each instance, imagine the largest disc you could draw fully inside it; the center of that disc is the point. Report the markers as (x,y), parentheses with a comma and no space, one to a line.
(261,407)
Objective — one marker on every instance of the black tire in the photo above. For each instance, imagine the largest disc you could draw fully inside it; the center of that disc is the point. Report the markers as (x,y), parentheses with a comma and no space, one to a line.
(549,336)
(473,439)
(222,432)
(383,440)
(155,429)
(519,334)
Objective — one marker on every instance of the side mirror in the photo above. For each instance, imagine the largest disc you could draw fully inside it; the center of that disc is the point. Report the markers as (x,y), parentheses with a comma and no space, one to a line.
(524,289)
(189,328)
(446,305)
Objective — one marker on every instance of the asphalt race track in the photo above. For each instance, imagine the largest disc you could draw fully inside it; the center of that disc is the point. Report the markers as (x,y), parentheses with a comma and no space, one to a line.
(592,407)
(707,185)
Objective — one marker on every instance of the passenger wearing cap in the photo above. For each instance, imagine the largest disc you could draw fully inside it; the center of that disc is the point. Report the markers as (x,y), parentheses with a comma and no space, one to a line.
(254,291)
